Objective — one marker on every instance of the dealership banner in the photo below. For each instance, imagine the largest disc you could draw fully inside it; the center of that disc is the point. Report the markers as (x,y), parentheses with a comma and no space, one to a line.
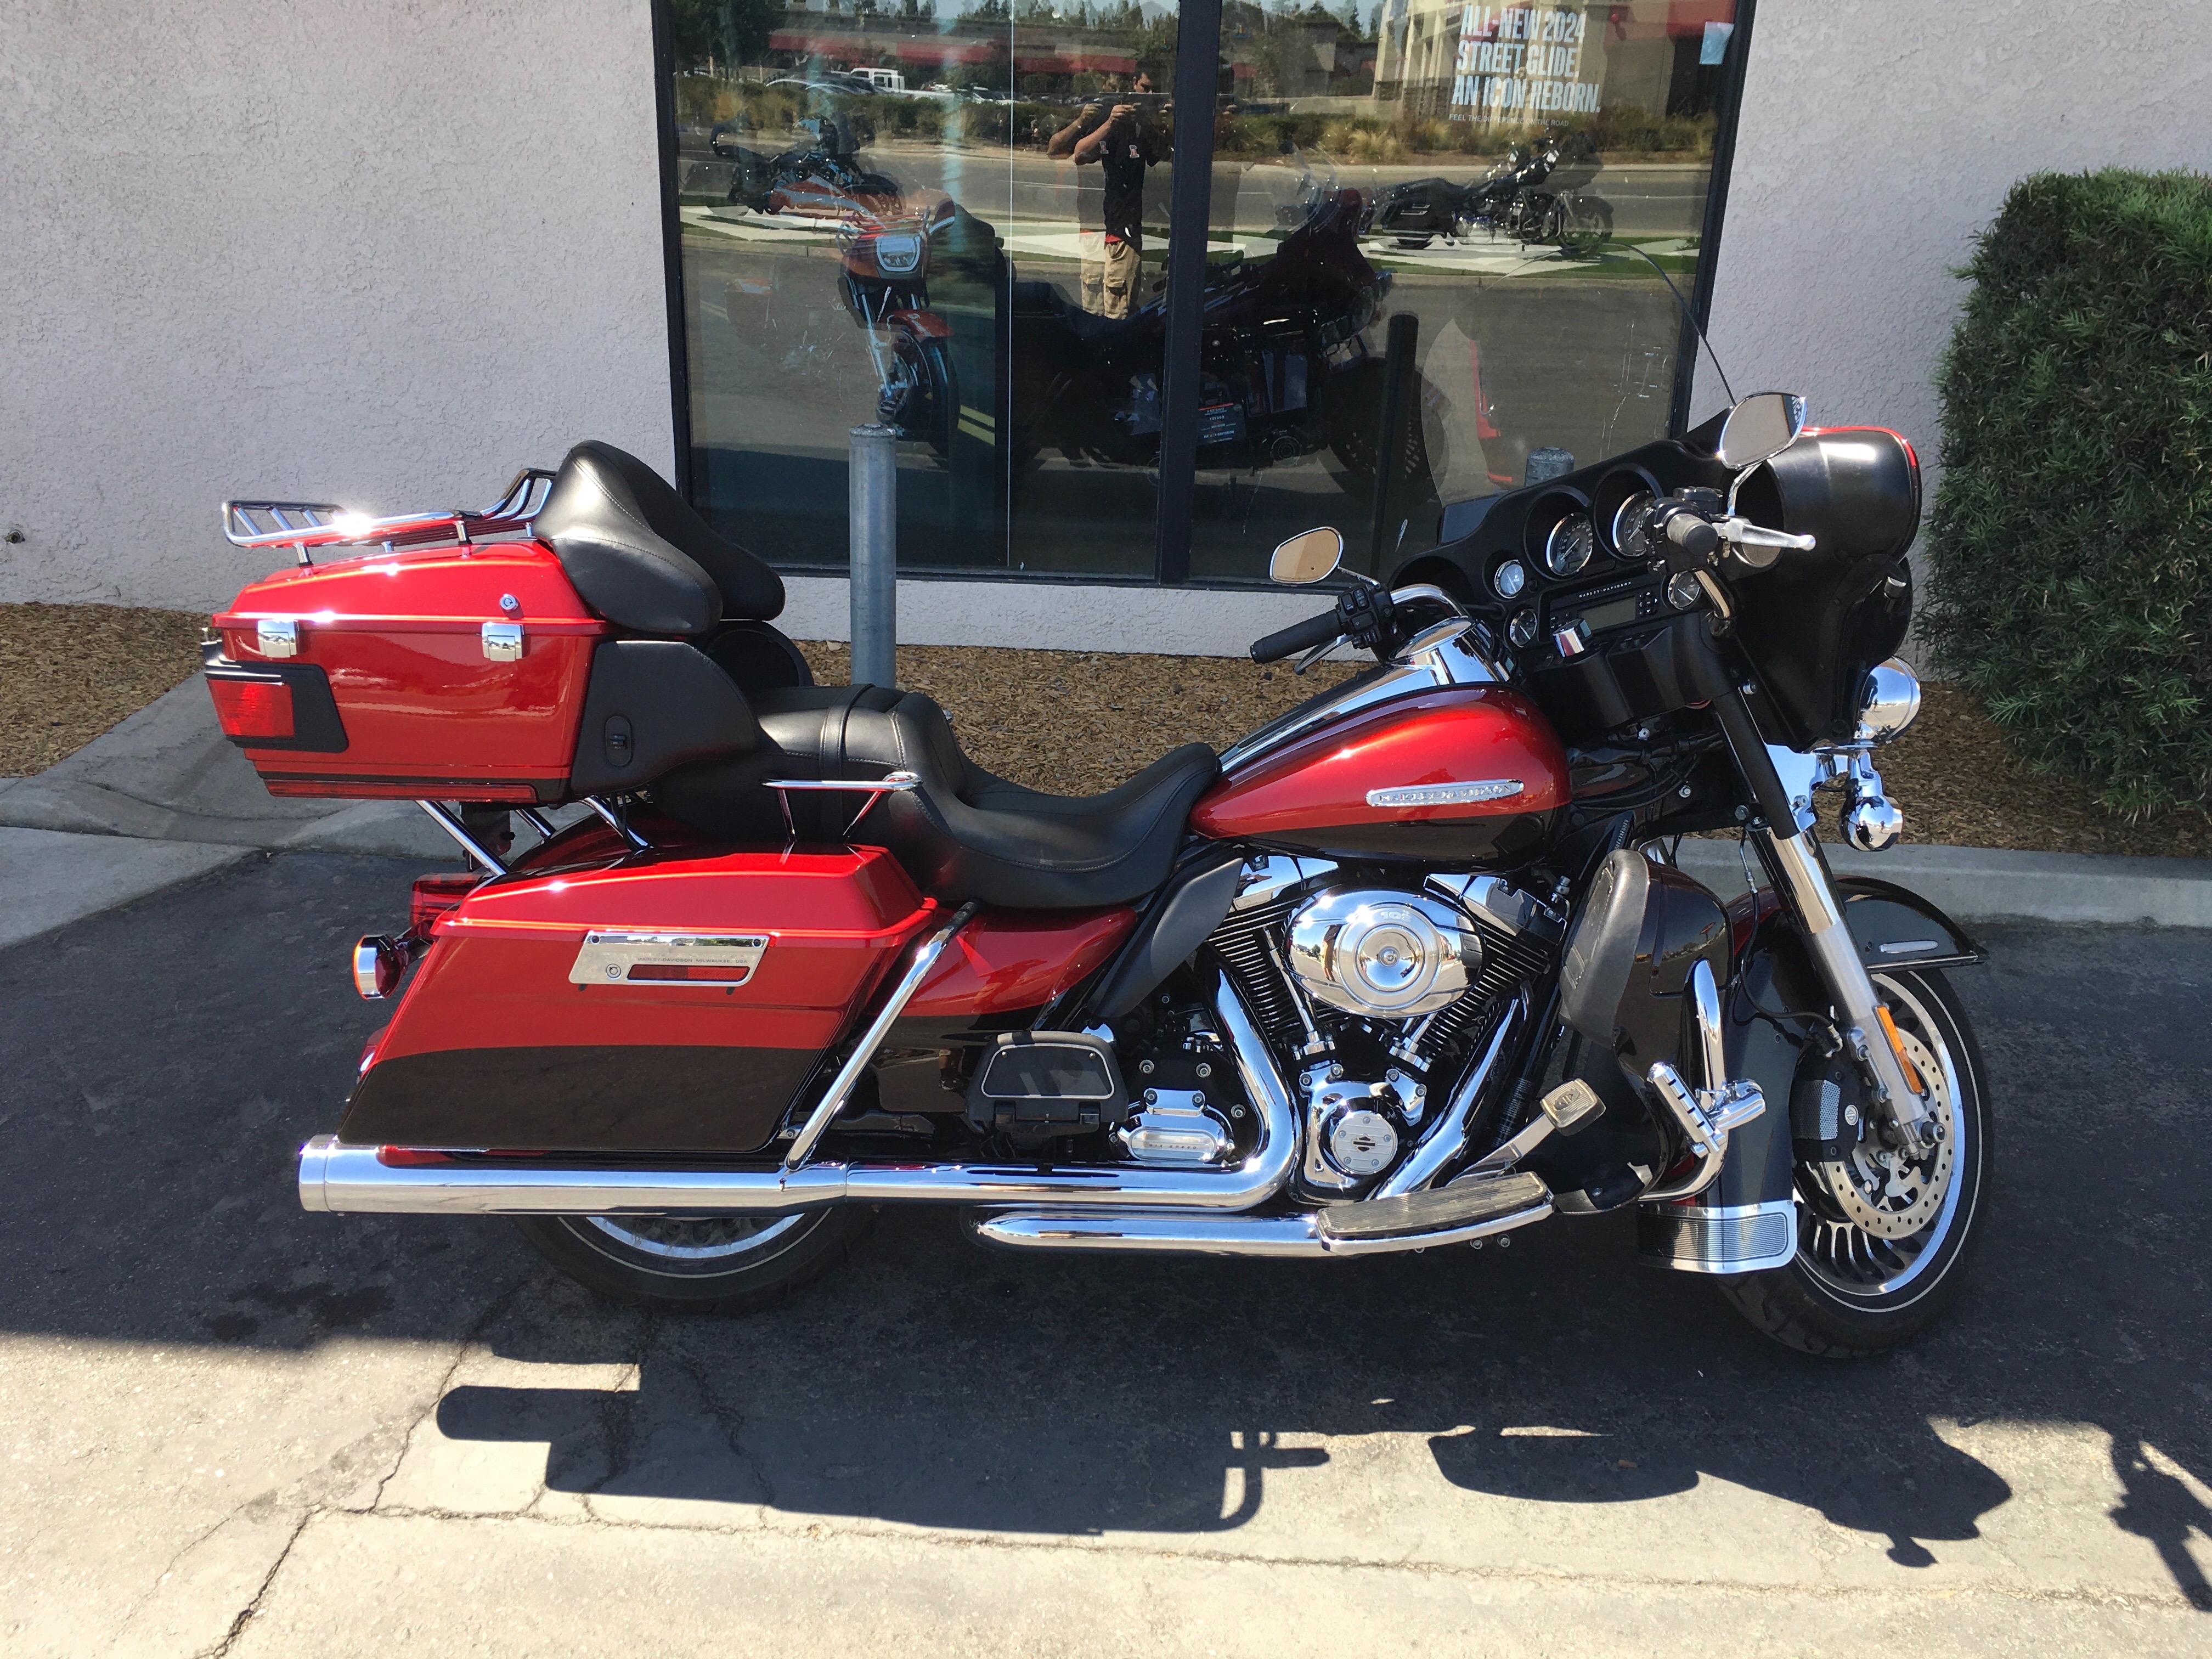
(1525,61)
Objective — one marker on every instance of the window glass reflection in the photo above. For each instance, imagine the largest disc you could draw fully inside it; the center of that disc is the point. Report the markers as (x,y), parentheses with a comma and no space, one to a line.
(1507,177)
(956,225)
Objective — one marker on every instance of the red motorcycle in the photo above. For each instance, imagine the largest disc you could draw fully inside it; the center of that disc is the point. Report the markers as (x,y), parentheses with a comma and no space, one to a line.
(802,957)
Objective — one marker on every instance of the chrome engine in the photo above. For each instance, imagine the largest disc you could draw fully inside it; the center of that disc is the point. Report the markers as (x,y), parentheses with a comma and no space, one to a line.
(1377,993)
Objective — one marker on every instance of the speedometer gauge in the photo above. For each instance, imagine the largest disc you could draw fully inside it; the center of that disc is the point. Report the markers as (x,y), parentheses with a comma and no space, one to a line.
(1570,544)
(1632,519)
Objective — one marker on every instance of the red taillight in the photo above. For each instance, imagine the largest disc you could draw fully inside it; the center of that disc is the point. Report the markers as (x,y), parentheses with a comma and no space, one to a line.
(715,975)
(253,709)
(433,895)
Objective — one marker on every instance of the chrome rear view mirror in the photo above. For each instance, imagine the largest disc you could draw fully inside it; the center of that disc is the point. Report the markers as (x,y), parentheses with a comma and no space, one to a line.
(1307,558)
(1760,428)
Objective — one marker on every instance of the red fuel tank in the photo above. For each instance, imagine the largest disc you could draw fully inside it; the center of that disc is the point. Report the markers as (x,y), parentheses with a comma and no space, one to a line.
(1462,772)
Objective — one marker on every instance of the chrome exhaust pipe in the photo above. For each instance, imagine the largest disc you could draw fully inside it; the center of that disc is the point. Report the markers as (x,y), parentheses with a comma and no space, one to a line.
(1294,1237)
(338,1178)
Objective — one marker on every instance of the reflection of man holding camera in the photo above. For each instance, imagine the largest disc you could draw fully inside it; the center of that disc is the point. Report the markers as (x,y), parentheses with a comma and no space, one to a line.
(1123,144)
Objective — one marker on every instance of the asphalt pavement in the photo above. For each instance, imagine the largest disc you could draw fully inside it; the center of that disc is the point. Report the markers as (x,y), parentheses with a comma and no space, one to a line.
(236,1428)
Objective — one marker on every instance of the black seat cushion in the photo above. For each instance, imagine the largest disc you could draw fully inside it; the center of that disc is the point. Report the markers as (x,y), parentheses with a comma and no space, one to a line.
(640,556)
(963,834)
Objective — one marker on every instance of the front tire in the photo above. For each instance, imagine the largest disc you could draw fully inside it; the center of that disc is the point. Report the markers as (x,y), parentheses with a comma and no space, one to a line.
(697,1264)
(1850,1293)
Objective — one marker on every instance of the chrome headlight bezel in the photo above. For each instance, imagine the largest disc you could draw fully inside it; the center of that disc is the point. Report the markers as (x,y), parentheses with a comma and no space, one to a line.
(1889,702)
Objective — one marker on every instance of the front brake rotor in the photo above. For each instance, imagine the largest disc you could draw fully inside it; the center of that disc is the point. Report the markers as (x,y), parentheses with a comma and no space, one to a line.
(1859,1178)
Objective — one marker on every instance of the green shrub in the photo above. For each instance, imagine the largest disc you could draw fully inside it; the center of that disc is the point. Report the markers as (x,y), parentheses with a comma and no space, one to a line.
(2071,544)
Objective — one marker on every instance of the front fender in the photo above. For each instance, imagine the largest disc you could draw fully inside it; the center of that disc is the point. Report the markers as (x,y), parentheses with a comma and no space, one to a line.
(1895,927)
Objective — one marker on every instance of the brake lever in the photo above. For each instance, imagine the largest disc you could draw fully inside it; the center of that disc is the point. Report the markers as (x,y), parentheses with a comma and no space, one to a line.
(1316,655)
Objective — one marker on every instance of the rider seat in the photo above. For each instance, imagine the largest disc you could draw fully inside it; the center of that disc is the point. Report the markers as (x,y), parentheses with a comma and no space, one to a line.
(639,555)
(963,834)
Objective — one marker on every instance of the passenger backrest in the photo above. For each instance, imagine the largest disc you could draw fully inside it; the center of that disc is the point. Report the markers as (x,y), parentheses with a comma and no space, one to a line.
(638,554)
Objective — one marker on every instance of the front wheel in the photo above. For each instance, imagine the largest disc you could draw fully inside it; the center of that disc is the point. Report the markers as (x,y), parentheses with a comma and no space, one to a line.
(697,1264)
(1883,1242)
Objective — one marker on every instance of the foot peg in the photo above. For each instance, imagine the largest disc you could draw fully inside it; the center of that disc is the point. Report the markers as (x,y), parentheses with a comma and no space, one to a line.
(1568,1108)
(1704,1117)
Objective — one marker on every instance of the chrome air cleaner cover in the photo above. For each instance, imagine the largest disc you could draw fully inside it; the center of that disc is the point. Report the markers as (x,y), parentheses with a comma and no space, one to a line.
(1386,954)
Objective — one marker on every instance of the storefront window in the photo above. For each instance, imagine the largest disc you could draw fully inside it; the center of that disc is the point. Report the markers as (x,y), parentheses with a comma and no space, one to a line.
(962,225)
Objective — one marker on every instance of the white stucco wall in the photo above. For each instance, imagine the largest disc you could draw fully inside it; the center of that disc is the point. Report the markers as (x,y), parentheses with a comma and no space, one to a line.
(1878,136)
(385,252)
(381,252)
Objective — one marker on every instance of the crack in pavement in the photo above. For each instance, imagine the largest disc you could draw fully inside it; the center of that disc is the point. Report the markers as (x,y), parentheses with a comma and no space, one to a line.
(730,1419)
(238,1625)
(483,1322)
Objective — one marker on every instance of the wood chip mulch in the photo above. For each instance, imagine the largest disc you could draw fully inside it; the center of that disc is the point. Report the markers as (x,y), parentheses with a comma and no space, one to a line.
(70,672)
(1075,722)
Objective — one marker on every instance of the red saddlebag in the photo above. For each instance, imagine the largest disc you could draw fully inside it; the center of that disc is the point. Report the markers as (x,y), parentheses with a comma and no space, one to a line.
(675,1004)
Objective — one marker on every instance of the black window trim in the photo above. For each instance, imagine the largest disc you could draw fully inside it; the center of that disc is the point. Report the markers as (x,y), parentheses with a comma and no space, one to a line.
(1188,205)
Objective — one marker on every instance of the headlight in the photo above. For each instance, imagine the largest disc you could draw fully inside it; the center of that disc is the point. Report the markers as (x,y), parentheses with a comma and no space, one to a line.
(1888,702)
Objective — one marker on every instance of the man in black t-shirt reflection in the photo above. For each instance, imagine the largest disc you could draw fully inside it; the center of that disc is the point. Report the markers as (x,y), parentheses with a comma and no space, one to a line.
(1124,144)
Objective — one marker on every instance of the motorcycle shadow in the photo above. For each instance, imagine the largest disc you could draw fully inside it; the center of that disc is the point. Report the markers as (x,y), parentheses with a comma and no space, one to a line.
(937,1388)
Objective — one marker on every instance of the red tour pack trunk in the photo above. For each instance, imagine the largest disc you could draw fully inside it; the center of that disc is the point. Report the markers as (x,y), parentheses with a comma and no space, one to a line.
(455,673)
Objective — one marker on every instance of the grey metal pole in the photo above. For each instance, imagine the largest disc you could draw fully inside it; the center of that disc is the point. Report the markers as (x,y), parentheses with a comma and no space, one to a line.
(873,499)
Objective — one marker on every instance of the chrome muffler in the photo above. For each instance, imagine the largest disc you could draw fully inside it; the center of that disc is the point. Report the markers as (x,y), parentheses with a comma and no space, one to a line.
(1308,1235)
(338,1178)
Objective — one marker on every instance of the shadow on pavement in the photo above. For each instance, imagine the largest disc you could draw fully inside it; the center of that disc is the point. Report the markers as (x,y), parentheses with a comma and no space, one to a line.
(159,1064)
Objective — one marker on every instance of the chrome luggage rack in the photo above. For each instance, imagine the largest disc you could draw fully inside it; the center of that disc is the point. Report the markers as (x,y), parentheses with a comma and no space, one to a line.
(303,525)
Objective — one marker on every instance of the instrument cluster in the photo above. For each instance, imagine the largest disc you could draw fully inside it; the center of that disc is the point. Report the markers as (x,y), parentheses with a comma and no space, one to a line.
(1576,533)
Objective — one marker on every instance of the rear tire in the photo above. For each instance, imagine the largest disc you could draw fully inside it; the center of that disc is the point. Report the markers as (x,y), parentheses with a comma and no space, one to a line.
(1849,1295)
(697,1264)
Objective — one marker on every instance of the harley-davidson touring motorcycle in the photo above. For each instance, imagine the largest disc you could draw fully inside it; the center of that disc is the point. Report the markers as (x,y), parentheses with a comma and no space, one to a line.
(1408,967)
(1537,195)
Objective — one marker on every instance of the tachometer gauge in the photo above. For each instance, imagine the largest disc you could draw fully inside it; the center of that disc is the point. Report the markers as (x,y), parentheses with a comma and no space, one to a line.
(1630,521)
(1570,544)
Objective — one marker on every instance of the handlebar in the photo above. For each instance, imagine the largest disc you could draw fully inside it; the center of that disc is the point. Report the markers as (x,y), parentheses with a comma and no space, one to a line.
(1298,636)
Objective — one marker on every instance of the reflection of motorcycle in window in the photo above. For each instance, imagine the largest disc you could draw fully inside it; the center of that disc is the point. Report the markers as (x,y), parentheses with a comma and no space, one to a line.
(824,179)
(1535,196)
(1286,370)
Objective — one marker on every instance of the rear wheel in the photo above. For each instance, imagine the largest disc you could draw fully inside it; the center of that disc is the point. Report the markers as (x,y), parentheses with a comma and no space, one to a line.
(697,1264)
(1883,1241)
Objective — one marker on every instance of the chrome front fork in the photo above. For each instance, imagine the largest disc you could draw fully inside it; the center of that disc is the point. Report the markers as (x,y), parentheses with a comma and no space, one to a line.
(1806,883)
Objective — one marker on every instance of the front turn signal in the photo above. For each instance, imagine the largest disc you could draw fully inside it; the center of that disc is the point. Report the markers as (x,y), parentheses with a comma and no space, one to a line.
(1912,1078)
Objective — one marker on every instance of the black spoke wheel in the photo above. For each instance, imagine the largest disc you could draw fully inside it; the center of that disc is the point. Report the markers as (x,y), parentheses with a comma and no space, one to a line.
(1883,1239)
(697,1264)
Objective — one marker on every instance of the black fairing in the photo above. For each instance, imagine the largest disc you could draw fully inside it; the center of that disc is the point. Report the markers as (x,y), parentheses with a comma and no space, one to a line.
(1816,623)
